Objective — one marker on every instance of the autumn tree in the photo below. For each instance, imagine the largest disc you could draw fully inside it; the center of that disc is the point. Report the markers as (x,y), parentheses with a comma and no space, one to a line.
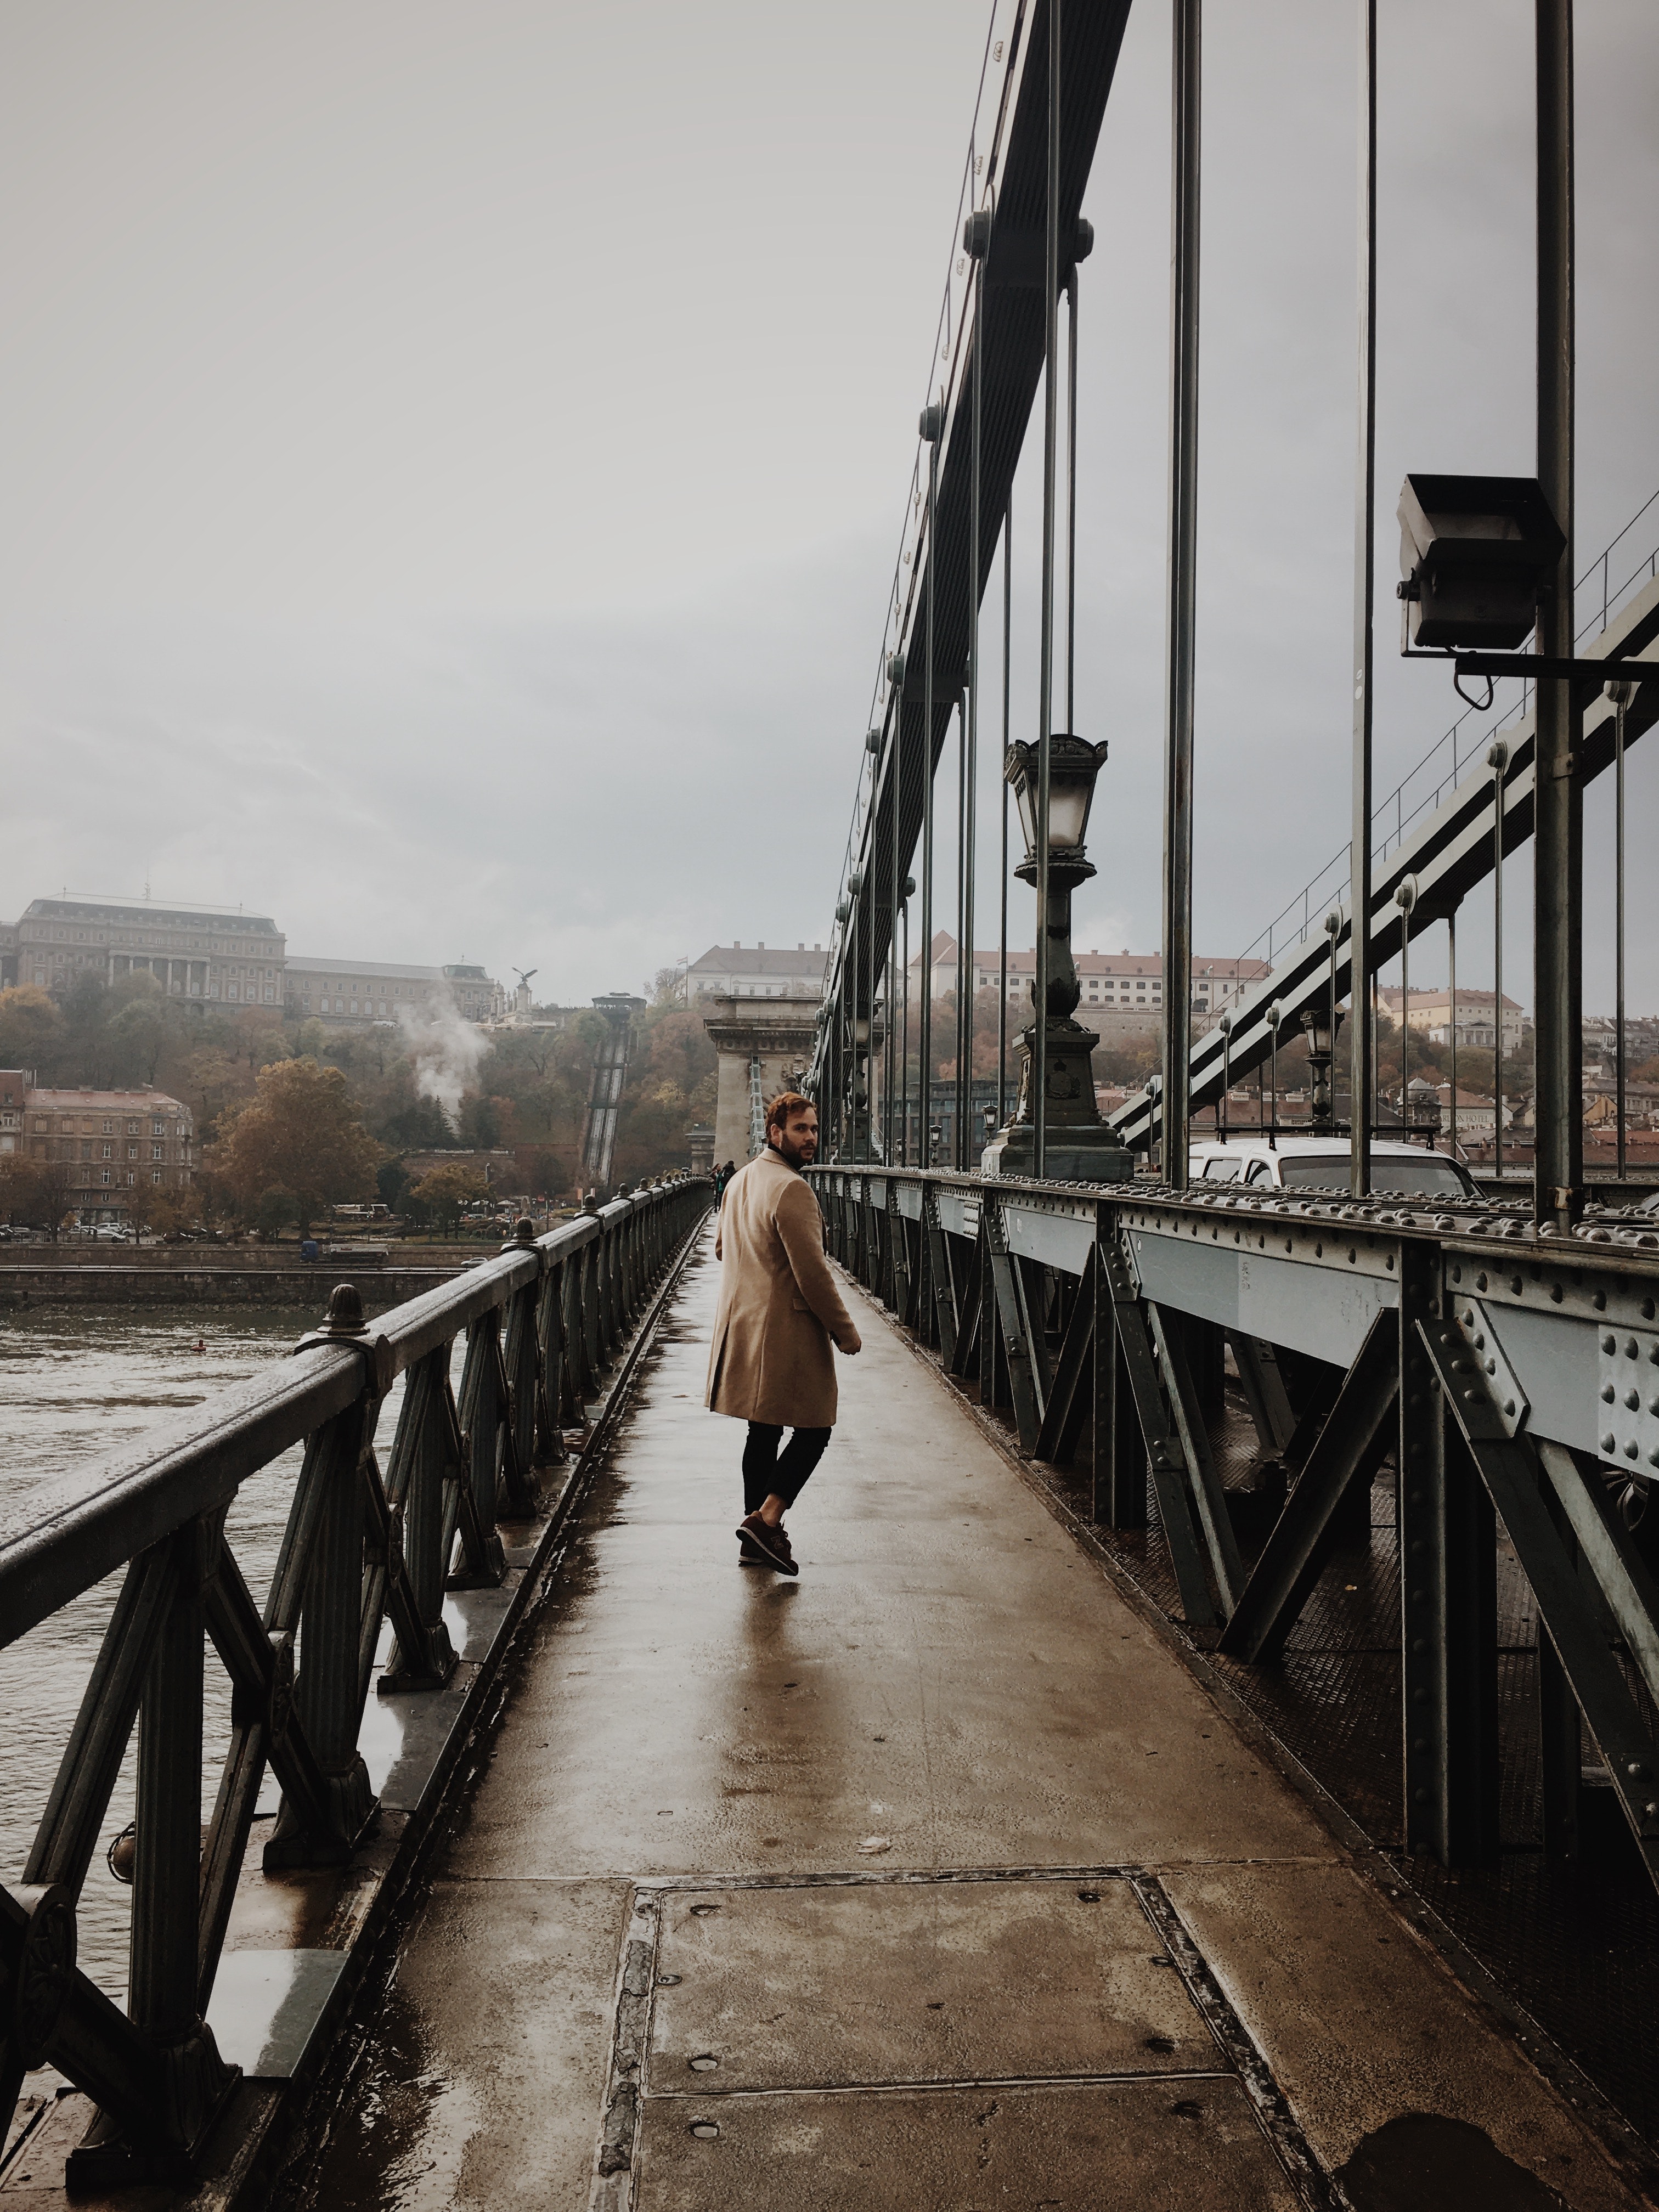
(301,1133)
(139,1025)
(442,1193)
(163,1209)
(34,1193)
(31,1030)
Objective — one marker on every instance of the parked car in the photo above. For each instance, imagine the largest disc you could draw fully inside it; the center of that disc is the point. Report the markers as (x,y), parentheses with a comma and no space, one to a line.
(111,1232)
(1321,1163)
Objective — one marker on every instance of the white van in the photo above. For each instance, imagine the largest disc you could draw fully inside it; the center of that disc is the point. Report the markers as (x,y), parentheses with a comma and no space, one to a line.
(1321,1163)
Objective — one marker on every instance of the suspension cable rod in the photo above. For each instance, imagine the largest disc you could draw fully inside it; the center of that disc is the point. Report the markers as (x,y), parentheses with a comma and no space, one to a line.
(924,1012)
(1046,663)
(965,956)
(1182,559)
(1002,878)
(1362,1041)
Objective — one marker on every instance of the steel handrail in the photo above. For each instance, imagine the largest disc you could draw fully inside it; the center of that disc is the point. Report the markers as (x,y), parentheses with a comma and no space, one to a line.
(366,1546)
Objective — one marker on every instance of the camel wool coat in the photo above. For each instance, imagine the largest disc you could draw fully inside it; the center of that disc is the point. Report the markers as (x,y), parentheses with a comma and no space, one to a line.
(779,1308)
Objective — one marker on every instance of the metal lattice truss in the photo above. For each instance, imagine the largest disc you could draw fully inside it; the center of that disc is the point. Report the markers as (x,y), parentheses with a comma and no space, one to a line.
(1511,1375)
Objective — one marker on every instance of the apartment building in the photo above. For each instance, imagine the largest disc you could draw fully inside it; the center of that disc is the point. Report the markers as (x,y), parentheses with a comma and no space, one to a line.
(353,991)
(108,1144)
(1430,1012)
(1125,981)
(756,971)
(13,1088)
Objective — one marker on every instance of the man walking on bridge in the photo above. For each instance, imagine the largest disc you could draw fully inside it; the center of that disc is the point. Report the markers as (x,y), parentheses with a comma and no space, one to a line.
(770,1363)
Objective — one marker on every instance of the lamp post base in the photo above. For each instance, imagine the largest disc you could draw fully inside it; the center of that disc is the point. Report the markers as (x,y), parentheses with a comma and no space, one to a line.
(1078,1146)
(1089,1153)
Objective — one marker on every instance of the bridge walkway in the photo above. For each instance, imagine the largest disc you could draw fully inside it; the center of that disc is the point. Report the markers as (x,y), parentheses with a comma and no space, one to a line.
(933,1878)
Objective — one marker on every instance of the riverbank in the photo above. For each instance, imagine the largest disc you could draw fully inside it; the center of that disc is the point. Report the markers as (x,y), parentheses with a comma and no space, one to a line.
(86,1251)
(217,1282)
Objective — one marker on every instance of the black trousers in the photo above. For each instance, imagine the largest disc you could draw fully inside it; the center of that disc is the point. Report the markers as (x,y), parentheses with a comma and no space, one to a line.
(767,1471)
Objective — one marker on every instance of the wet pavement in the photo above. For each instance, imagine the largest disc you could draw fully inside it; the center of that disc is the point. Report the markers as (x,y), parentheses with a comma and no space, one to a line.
(933,1878)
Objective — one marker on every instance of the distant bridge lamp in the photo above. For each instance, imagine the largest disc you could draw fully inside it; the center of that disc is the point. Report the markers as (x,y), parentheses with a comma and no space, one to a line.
(1320,1027)
(1225,1025)
(1077,1145)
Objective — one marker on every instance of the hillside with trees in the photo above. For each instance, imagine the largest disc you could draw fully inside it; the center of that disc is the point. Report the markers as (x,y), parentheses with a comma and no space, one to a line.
(293,1118)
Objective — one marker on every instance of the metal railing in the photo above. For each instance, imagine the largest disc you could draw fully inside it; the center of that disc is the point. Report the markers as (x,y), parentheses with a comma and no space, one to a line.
(1499,1367)
(374,1535)
(1430,779)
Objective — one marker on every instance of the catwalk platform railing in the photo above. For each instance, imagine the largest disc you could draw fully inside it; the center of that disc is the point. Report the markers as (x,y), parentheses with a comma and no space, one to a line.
(1511,1374)
(1446,854)
(374,1535)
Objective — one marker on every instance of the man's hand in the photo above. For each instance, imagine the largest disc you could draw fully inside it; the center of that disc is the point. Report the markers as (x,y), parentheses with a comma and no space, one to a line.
(848,1344)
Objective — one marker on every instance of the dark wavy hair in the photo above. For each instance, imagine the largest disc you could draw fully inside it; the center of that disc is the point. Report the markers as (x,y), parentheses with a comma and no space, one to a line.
(781,1111)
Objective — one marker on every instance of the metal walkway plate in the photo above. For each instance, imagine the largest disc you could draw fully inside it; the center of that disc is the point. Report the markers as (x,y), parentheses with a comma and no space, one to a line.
(1054,2039)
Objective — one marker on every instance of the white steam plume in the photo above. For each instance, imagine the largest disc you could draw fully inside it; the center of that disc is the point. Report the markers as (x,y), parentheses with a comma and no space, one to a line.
(445,1052)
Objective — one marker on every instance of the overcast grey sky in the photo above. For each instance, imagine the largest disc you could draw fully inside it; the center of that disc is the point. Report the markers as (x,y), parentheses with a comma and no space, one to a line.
(452,458)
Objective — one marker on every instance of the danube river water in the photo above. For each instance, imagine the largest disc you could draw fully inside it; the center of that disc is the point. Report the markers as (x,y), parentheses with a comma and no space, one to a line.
(74,1385)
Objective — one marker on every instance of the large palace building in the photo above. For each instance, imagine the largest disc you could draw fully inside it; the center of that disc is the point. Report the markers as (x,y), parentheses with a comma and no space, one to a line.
(212,957)
(204,953)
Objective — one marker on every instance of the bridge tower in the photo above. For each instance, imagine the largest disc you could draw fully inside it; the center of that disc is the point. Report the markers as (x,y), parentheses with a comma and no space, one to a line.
(762,1043)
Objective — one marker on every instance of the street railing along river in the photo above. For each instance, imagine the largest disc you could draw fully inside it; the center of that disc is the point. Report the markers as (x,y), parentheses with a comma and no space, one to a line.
(75,1384)
(315,1559)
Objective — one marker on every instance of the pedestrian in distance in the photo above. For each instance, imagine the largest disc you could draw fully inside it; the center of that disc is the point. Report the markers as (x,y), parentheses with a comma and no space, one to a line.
(770,1363)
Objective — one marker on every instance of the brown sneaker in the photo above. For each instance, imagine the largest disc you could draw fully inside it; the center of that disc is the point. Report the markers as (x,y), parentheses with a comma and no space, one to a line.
(771,1542)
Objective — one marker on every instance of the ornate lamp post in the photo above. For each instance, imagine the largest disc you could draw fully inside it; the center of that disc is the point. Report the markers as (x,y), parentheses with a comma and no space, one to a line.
(868,1037)
(1077,1145)
(1322,1026)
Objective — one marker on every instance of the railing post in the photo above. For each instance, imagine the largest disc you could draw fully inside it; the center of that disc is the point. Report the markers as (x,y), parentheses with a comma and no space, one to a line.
(421,1461)
(166,1859)
(521,1355)
(549,1324)
(327,1694)
(482,1414)
(573,1347)
(605,1301)
(1120,1469)
(589,1318)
